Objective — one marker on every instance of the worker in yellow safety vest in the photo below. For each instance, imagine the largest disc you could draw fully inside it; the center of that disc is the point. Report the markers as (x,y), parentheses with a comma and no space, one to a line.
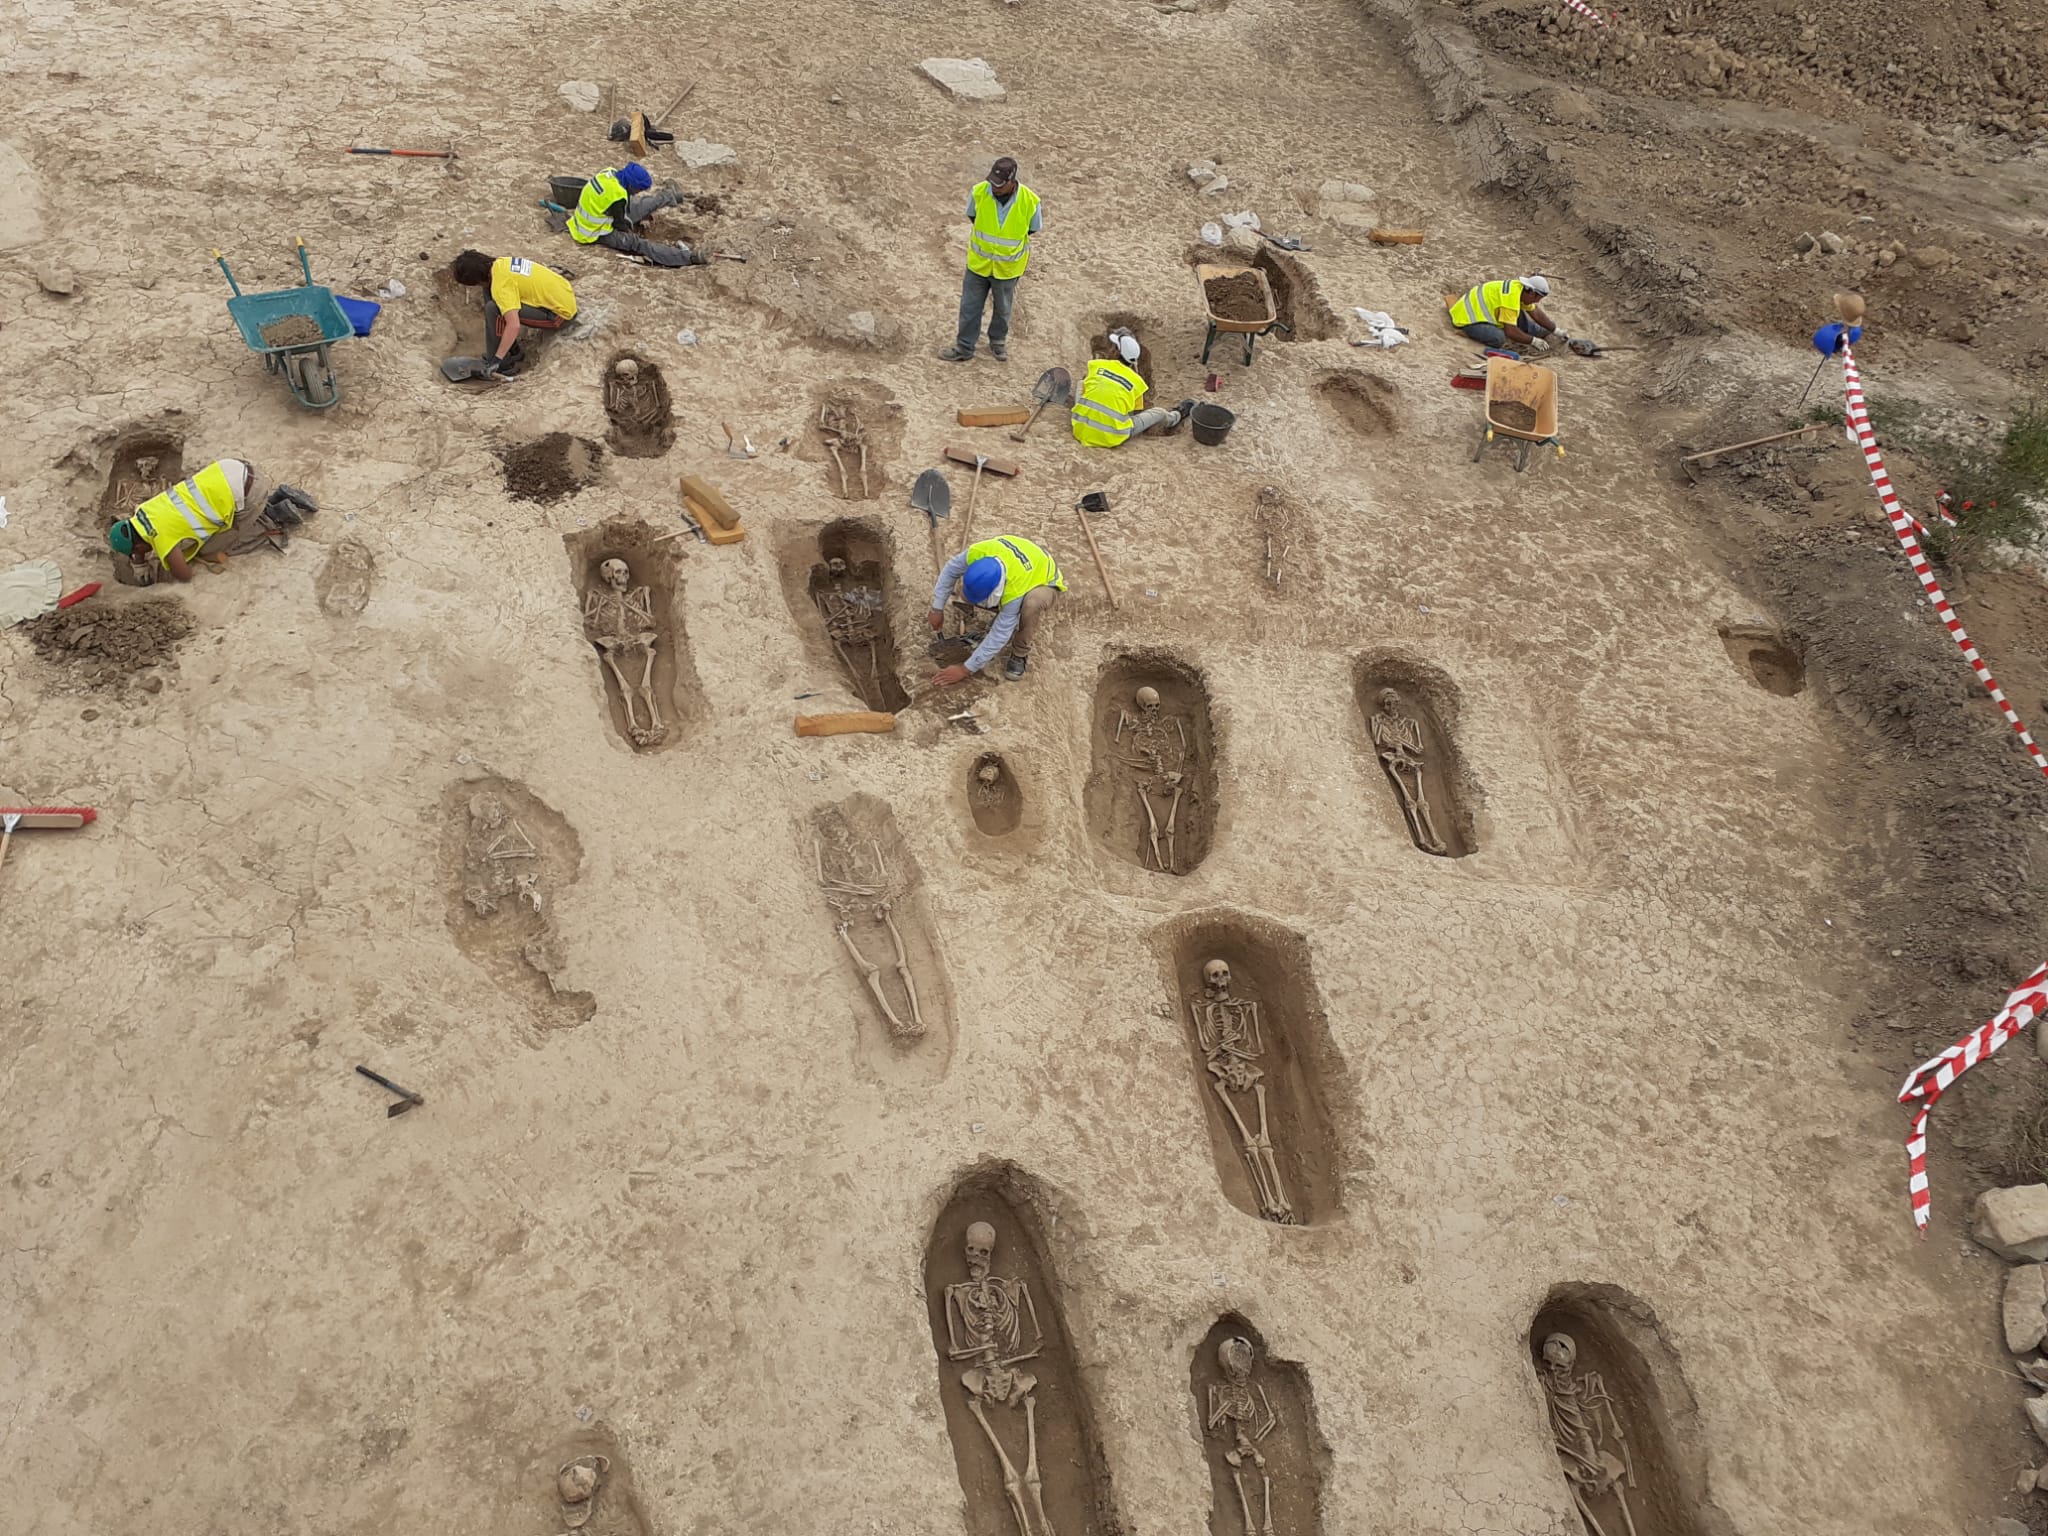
(195,519)
(615,203)
(519,295)
(1110,410)
(1005,216)
(1015,577)
(1505,310)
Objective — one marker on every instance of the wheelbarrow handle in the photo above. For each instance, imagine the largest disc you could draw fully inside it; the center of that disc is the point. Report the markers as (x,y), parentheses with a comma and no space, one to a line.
(305,266)
(222,262)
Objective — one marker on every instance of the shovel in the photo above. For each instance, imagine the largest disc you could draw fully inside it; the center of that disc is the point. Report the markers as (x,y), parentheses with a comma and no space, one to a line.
(1054,386)
(932,496)
(1286,242)
(1096,501)
(456,369)
(733,450)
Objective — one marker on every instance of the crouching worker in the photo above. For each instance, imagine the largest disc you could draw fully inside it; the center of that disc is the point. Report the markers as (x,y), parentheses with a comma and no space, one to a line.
(519,294)
(612,207)
(1011,575)
(196,519)
(1506,312)
(1110,409)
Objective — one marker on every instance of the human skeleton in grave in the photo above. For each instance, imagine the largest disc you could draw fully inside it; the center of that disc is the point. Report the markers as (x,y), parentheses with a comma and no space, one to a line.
(618,618)
(499,859)
(843,433)
(1241,1415)
(992,1324)
(1587,1433)
(852,613)
(854,896)
(1228,1029)
(988,783)
(1397,736)
(576,1485)
(1155,743)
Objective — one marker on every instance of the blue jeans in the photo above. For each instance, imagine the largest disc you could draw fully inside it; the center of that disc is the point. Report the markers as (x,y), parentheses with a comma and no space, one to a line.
(1493,336)
(975,292)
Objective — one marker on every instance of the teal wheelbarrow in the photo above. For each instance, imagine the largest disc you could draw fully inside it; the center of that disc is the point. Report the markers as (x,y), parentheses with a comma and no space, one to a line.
(293,330)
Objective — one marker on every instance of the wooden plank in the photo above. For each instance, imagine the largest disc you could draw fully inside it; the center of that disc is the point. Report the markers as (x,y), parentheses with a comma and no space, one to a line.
(993,466)
(1380,236)
(874,721)
(696,488)
(1008,416)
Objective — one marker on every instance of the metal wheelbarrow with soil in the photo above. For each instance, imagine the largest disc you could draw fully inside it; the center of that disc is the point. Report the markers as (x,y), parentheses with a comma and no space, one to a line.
(1238,301)
(1521,404)
(293,330)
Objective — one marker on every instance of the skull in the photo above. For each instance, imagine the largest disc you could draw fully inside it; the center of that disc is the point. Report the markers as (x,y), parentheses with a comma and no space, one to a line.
(989,774)
(1216,977)
(577,1482)
(626,368)
(1560,1351)
(616,573)
(1235,1356)
(835,568)
(1390,701)
(981,1248)
(1148,699)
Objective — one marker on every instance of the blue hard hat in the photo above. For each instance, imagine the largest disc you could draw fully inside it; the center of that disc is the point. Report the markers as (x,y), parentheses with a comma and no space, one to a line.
(634,177)
(984,579)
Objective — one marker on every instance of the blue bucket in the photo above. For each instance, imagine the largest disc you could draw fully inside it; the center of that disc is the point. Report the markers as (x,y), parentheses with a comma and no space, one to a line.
(362,313)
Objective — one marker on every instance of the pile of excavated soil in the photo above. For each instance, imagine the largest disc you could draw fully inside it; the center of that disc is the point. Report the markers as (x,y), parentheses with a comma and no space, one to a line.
(292,331)
(1517,415)
(551,467)
(1237,297)
(108,644)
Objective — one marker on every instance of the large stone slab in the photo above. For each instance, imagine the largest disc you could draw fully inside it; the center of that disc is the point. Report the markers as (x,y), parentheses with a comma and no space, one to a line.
(969,79)
(2013,1222)
(700,154)
(2026,1306)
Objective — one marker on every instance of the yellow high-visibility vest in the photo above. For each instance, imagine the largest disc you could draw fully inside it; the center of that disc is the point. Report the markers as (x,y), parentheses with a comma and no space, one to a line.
(1111,394)
(590,219)
(1001,247)
(1025,566)
(1496,303)
(190,512)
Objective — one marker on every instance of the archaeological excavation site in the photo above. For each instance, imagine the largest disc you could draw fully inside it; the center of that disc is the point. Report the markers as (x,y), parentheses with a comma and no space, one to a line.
(1025,769)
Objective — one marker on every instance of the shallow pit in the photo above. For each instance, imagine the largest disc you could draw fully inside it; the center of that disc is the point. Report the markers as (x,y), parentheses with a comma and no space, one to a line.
(655,580)
(1265,1033)
(1414,737)
(1075,1487)
(1772,661)
(1141,758)
(1138,326)
(548,468)
(342,585)
(847,415)
(1275,1410)
(1364,402)
(636,402)
(994,796)
(1297,296)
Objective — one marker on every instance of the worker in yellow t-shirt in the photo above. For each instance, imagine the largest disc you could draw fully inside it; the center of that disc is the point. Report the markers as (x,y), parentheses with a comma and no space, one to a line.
(521,293)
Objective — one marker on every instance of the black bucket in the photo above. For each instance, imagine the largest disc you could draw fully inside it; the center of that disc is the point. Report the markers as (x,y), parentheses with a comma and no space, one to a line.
(565,190)
(1212,423)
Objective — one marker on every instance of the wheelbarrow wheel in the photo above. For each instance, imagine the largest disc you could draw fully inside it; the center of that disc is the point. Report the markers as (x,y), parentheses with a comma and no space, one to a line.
(1480,447)
(311,377)
(1521,454)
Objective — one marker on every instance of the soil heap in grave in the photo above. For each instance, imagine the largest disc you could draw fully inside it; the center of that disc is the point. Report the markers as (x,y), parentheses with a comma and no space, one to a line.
(1410,711)
(1267,1460)
(873,891)
(1263,1067)
(1151,795)
(1024,1438)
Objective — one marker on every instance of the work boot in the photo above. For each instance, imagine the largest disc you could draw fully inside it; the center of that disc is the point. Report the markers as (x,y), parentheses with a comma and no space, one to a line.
(1013,669)
(999,350)
(1181,413)
(956,354)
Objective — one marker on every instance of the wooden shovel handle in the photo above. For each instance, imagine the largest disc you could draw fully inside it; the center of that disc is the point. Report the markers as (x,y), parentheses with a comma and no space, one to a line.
(1025,431)
(1100,569)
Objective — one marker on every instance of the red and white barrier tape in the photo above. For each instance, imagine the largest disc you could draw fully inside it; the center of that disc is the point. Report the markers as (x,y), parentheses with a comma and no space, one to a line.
(1931,1079)
(1903,524)
(1586,10)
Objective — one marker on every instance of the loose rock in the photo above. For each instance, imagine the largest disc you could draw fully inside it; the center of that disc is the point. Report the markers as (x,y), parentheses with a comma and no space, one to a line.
(700,154)
(968,79)
(54,278)
(1932,258)
(583,95)
(1804,243)
(1202,172)
(1832,243)
(1218,185)
(2037,1415)
(1344,192)
(2013,1222)
(2026,1307)
(2005,1525)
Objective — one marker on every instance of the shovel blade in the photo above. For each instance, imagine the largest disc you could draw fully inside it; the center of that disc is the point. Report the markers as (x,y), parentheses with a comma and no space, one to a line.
(456,369)
(1055,384)
(932,496)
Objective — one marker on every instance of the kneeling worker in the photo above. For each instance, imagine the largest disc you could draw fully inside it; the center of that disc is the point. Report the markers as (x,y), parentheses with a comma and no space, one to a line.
(522,293)
(1012,575)
(1110,408)
(195,519)
(612,207)
(1505,310)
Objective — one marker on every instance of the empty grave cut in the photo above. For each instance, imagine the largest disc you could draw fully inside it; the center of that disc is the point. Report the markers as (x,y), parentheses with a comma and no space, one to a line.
(649,686)
(1412,737)
(1618,1415)
(842,587)
(871,890)
(1297,296)
(1262,1065)
(999,1332)
(847,417)
(342,586)
(550,467)
(1772,661)
(507,857)
(636,402)
(994,795)
(1242,1394)
(1151,796)
(1366,403)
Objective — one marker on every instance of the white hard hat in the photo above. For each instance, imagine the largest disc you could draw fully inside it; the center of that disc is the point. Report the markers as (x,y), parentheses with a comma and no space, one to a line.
(1127,346)
(1537,284)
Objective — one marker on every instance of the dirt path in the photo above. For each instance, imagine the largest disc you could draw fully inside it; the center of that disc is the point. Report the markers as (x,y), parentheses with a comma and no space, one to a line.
(1612,1044)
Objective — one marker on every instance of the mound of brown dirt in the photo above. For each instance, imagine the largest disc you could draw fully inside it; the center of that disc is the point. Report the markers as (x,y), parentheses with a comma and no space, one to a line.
(1236,297)
(551,467)
(110,644)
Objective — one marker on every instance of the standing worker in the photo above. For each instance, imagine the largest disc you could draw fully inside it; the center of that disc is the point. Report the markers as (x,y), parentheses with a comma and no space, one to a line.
(612,207)
(1005,217)
(521,293)
(1504,310)
(195,519)
(1110,410)
(1015,577)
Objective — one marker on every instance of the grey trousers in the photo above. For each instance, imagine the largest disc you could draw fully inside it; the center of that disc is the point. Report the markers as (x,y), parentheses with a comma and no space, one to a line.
(639,206)
(996,294)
